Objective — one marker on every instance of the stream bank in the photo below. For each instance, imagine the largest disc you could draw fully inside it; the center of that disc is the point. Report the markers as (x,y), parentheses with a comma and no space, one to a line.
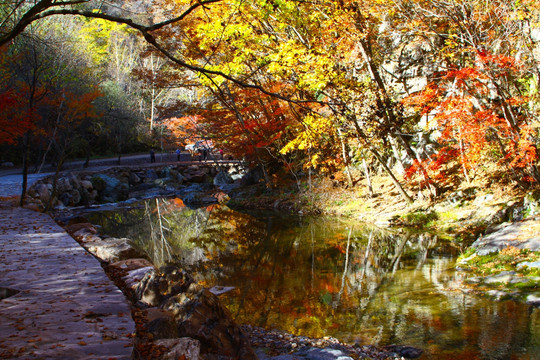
(463,216)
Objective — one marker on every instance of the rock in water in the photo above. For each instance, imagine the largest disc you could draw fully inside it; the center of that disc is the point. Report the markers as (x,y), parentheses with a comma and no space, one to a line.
(408,352)
(197,313)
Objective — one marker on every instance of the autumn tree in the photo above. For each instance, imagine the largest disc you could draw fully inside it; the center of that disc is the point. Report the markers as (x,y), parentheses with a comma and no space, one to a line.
(52,92)
(481,99)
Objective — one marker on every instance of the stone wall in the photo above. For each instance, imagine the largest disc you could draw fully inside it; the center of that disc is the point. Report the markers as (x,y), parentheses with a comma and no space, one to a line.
(123,183)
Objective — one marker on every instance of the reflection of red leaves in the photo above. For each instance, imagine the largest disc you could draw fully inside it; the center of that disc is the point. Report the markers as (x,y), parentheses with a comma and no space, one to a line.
(82,343)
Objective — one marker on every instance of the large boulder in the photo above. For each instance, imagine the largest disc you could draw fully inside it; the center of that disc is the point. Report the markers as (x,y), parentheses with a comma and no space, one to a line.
(110,189)
(108,250)
(131,272)
(196,312)
(223,178)
(44,191)
(252,177)
(200,315)
(63,185)
(150,175)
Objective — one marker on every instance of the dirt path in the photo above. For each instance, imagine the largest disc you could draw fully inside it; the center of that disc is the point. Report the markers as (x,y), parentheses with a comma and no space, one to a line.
(55,300)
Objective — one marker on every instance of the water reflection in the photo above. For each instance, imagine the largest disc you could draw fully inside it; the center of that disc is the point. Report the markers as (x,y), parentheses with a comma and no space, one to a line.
(325,277)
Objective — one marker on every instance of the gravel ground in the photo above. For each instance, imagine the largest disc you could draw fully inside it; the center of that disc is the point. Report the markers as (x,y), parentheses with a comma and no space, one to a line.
(277,345)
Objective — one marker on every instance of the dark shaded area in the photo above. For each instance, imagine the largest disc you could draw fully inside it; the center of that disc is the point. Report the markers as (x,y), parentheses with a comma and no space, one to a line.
(6,292)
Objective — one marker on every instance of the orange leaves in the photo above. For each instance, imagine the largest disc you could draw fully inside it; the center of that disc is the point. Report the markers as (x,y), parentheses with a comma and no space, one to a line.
(477,120)
(424,101)
(254,121)
(523,153)
(464,74)
(498,61)
(185,128)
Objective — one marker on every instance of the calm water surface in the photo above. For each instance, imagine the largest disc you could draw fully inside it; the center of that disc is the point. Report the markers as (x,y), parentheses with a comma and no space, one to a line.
(324,277)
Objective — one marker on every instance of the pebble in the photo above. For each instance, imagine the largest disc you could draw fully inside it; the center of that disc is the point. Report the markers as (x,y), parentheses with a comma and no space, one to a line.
(276,345)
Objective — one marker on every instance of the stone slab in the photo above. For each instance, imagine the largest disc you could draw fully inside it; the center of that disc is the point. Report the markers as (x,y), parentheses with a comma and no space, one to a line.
(65,307)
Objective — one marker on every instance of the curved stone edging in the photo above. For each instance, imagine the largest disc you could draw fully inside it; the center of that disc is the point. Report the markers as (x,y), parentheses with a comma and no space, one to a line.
(180,316)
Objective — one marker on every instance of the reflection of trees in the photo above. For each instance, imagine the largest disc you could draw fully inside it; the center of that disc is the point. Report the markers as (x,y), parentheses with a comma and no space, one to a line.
(157,247)
(319,277)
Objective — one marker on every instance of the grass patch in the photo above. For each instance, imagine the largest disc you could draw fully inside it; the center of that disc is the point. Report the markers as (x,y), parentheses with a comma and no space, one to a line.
(505,260)
(419,219)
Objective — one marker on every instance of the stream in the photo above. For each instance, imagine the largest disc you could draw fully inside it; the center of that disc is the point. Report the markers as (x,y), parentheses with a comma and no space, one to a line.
(320,277)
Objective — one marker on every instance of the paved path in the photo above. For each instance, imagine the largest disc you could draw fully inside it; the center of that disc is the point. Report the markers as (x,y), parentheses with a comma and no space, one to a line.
(66,307)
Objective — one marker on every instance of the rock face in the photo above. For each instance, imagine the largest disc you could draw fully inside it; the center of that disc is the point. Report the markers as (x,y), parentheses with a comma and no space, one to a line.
(195,312)
(522,235)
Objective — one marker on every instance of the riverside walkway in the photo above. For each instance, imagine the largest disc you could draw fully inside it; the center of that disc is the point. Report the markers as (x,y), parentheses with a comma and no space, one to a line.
(55,300)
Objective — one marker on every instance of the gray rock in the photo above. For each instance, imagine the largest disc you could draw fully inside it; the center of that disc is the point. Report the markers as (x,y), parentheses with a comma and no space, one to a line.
(134,179)
(63,185)
(507,235)
(165,172)
(110,189)
(223,178)
(93,195)
(322,354)
(473,280)
(533,299)
(503,277)
(75,197)
(519,280)
(150,175)
(529,264)
(44,192)
(182,348)
(254,176)
(134,277)
(65,198)
(220,290)
(87,185)
(110,249)
(498,294)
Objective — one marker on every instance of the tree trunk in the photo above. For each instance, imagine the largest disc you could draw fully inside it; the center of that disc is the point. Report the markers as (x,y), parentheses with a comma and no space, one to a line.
(345,157)
(55,180)
(368,178)
(391,174)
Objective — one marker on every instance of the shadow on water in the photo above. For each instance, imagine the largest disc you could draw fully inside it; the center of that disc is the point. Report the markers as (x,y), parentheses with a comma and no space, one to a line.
(326,277)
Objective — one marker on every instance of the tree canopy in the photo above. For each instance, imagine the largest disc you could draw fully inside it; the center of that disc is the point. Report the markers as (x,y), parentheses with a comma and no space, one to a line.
(440,92)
